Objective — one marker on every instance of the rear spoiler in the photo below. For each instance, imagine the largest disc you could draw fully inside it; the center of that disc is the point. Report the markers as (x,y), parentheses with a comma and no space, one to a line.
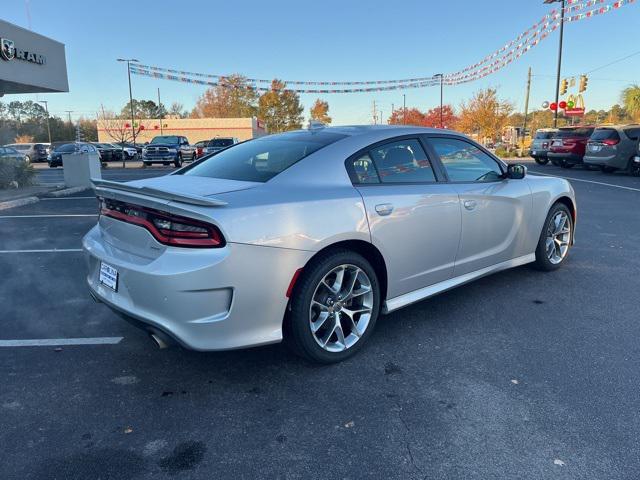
(105,185)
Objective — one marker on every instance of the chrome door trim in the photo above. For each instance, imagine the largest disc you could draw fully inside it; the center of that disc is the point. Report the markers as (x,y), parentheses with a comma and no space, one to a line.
(426,292)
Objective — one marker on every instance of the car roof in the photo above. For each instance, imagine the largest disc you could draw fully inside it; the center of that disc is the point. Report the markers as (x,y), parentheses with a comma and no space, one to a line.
(358,130)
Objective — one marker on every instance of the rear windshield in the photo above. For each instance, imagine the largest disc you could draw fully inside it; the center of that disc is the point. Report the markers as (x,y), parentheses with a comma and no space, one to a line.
(262,159)
(69,147)
(221,142)
(574,132)
(544,135)
(165,139)
(605,134)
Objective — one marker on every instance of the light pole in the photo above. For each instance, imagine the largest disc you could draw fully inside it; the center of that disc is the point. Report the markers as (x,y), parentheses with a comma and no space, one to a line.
(133,128)
(46,109)
(441,76)
(69,112)
(555,113)
(404,109)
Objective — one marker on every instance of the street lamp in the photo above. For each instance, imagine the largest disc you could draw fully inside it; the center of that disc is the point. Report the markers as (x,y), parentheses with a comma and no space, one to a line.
(404,109)
(555,113)
(441,76)
(133,128)
(46,109)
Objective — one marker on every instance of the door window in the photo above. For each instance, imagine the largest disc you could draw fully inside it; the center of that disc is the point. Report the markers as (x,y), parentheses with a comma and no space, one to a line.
(403,161)
(464,162)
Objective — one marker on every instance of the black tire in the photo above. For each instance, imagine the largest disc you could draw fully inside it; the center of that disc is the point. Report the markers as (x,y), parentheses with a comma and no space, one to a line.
(27,159)
(178,161)
(634,168)
(542,261)
(146,164)
(565,164)
(194,157)
(541,160)
(297,328)
(556,162)
(605,169)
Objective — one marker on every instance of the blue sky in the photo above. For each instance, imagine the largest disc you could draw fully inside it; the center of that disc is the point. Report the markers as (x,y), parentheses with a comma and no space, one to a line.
(322,40)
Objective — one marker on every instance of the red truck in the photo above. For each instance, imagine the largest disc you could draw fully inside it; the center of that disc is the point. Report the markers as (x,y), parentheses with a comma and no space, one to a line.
(568,145)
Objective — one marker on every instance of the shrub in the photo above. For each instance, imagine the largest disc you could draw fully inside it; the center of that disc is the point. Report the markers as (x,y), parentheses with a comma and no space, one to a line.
(12,170)
(502,152)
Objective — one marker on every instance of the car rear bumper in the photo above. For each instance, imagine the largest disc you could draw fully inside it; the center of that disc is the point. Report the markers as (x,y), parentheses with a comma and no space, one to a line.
(206,299)
(538,153)
(613,161)
(568,157)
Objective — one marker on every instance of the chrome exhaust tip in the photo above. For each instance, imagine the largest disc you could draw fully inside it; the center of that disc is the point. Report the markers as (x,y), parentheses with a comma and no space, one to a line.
(159,341)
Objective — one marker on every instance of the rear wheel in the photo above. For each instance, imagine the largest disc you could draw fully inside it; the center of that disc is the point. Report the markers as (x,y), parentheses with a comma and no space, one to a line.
(565,164)
(541,160)
(146,164)
(555,238)
(27,159)
(334,307)
(633,168)
(605,169)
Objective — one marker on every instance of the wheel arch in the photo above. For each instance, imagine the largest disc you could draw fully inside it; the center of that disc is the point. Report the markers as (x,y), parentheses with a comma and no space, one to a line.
(569,203)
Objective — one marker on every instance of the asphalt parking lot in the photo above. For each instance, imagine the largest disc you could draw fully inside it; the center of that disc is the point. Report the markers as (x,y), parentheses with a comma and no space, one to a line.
(519,375)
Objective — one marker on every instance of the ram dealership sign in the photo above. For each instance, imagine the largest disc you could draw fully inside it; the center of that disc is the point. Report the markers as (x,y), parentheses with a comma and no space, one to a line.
(30,63)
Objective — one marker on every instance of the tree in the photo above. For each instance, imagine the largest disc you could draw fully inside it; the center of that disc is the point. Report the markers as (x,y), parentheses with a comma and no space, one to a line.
(234,97)
(177,110)
(280,108)
(409,116)
(485,115)
(320,112)
(631,100)
(23,139)
(429,119)
(143,109)
(88,129)
(117,129)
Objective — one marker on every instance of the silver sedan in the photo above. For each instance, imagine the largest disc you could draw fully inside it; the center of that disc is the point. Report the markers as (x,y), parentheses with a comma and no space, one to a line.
(308,236)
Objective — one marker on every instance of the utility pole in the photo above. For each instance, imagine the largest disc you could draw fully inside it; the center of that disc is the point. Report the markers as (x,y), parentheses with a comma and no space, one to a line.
(160,111)
(526,108)
(441,76)
(562,12)
(375,114)
(46,109)
(69,112)
(133,128)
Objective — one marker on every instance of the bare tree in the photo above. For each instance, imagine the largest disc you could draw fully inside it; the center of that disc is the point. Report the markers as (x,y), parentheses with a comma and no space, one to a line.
(117,129)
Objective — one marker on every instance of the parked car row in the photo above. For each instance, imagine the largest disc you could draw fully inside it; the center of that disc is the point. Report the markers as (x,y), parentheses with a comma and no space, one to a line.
(175,149)
(610,148)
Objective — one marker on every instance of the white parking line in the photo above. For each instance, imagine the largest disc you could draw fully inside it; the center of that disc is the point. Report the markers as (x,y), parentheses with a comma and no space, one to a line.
(51,216)
(53,250)
(58,342)
(588,181)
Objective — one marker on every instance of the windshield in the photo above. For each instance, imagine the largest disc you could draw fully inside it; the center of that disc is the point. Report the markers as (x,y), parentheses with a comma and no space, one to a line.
(262,159)
(544,135)
(221,142)
(165,139)
(574,132)
(69,147)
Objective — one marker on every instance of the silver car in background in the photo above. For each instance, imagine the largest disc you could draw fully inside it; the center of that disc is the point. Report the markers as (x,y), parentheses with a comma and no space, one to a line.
(310,235)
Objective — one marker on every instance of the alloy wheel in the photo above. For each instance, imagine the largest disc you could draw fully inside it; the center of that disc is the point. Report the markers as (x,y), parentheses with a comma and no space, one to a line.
(341,308)
(558,237)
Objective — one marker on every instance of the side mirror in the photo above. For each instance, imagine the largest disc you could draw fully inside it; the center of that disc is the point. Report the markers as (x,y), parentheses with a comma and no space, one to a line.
(516,172)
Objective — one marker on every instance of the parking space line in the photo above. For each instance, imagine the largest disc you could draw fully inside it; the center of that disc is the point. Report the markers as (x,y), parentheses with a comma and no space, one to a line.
(588,181)
(59,342)
(53,250)
(52,215)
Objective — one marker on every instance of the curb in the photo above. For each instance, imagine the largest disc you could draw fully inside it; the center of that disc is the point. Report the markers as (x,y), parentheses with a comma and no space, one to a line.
(20,202)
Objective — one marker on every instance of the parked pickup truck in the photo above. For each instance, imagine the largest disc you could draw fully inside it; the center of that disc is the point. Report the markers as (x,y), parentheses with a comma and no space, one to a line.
(168,149)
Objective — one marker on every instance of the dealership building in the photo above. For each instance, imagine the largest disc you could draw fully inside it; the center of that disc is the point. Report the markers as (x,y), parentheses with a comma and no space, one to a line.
(195,129)
(30,63)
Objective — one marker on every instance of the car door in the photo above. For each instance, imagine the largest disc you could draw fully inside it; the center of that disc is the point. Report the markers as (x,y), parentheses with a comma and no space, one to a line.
(414,219)
(495,210)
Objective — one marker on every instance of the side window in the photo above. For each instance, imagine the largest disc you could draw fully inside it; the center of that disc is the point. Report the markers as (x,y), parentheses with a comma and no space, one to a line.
(402,162)
(465,162)
(364,170)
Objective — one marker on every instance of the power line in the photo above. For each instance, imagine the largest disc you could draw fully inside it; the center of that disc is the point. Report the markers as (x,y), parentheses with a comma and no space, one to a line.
(614,62)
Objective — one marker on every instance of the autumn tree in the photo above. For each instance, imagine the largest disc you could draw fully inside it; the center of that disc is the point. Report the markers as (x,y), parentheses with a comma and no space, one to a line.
(320,112)
(234,97)
(631,101)
(485,114)
(406,116)
(24,139)
(280,108)
(429,119)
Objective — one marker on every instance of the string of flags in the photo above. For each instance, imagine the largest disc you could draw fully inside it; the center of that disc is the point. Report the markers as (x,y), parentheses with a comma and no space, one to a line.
(487,66)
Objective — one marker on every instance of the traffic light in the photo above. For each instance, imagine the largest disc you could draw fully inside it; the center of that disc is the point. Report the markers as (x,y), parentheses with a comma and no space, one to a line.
(563,87)
(584,80)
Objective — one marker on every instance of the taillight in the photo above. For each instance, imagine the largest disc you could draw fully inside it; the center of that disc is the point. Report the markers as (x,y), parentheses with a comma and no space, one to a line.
(611,141)
(199,151)
(569,141)
(166,228)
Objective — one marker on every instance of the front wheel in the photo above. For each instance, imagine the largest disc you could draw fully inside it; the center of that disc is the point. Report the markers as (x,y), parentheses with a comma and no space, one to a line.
(605,169)
(555,239)
(334,307)
(565,164)
(178,161)
(541,160)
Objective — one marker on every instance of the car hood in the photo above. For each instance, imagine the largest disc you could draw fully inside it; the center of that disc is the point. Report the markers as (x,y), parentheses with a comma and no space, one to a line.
(193,185)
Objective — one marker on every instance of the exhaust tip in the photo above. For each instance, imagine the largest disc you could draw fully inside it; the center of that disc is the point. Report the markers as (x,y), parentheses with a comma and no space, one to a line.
(159,341)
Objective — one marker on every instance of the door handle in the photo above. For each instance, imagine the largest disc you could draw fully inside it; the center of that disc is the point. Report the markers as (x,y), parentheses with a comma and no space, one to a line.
(384,209)
(470,204)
